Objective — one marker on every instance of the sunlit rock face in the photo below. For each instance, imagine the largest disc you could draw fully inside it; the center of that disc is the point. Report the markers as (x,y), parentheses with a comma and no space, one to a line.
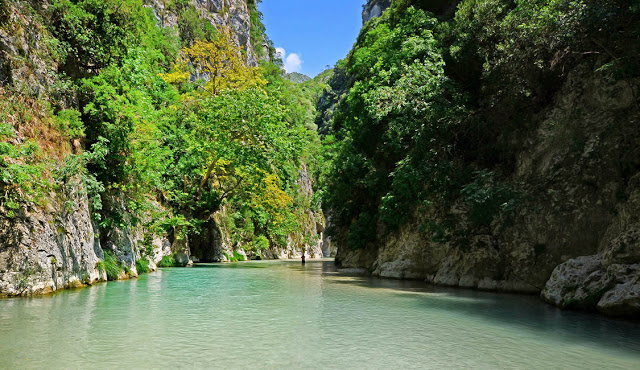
(441,8)
(222,13)
(373,9)
(46,249)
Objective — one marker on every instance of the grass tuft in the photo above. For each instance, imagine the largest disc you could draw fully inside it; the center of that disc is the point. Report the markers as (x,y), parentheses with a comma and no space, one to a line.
(110,265)
(167,261)
(142,265)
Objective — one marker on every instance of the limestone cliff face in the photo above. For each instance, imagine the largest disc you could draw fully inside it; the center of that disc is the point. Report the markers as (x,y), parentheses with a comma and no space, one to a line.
(373,9)
(44,250)
(233,14)
(577,241)
(309,238)
(36,73)
(47,248)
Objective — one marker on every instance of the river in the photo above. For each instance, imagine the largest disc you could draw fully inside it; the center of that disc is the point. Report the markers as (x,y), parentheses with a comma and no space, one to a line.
(279,314)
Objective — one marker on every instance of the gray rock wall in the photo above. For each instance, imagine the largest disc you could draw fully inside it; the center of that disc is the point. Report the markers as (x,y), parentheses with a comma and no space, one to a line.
(373,9)
(45,250)
(233,14)
(310,237)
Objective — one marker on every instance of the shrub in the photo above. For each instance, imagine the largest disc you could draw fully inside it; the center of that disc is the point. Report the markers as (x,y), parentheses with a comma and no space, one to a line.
(229,258)
(70,124)
(238,257)
(142,265)
(23,168)
(168,261)
(261,243)
(488,198)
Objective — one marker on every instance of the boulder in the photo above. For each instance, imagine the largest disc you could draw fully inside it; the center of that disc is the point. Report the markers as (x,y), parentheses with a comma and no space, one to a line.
(624,249)
(623,300)
(585,283)
(578,283)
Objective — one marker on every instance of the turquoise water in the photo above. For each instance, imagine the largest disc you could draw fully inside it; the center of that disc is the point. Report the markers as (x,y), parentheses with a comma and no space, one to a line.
(285,315)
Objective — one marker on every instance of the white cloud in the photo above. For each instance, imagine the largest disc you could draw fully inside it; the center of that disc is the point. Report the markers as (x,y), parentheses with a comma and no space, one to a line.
(292,62)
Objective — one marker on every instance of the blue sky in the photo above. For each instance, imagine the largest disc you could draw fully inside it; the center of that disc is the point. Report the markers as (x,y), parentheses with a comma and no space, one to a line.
(313,33)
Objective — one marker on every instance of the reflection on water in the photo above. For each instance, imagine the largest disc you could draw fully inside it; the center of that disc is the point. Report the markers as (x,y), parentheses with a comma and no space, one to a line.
(284,314)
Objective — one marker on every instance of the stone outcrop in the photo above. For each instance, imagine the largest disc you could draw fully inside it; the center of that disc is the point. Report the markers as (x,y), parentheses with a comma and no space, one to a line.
(578,283)
(233,14)
(373,9)
(586,283)
(37,75)
(43,250)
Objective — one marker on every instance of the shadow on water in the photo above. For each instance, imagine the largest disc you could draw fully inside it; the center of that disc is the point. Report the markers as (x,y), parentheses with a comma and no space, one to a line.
(527,312)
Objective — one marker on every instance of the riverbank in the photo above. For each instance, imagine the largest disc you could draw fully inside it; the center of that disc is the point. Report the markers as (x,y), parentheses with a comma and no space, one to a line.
(29,285)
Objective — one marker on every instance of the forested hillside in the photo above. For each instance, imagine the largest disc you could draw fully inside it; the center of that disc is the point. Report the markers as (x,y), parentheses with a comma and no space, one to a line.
(135,133)
(484,147)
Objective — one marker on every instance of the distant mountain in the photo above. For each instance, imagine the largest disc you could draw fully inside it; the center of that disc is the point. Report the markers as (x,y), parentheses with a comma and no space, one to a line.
(296,77)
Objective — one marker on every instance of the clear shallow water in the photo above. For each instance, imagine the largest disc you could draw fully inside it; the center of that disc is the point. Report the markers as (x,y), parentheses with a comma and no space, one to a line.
(285,315)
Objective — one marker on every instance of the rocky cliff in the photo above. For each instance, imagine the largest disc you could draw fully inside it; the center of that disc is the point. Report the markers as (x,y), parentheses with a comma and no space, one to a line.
(584,203)
(574,236)
(43,250)
(232,14)
(373,9)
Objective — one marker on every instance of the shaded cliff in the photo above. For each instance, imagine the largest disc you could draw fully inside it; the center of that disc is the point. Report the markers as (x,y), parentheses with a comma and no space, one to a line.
(513,169)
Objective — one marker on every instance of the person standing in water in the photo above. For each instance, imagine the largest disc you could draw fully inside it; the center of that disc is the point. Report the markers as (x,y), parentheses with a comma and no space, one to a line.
(303,258)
